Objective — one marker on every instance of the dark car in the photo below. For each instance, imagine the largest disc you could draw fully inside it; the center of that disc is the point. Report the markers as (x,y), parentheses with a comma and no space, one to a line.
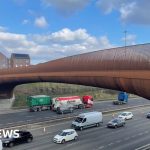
(24,136)
(115,123)
(148,115)
(64,110)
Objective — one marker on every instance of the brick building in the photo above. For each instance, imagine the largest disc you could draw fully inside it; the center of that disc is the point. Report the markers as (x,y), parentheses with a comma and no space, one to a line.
(4,62)
(19,60)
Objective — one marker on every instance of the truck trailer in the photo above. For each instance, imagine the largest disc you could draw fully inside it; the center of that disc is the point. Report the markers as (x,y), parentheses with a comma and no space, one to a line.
(39,102)
(70,101)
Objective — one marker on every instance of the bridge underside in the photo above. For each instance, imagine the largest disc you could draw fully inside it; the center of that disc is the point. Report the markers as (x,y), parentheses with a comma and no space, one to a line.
(118,69)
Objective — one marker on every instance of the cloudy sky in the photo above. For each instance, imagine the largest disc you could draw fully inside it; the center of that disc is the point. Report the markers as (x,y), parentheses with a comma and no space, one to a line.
(51,29)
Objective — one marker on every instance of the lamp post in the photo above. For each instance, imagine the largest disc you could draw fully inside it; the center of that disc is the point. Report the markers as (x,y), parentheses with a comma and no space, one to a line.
(125,39)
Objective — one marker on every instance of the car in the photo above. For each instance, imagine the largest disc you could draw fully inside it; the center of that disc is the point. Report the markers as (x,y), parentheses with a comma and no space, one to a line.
(24,136)
(116,122)
(148,115)
(126,115)
(65,135)
(64,110)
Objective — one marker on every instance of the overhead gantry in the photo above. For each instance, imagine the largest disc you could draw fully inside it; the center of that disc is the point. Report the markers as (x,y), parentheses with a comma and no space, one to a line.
(123,68)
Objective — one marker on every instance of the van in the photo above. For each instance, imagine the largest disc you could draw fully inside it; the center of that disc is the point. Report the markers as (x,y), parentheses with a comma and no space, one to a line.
(86,120)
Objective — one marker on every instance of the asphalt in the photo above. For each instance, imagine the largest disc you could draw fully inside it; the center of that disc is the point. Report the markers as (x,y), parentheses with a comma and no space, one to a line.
(135,134)
(26,117)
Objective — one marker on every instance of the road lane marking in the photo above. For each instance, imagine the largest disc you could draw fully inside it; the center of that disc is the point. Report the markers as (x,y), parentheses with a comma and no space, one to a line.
(101,147)
(127,138)
(110,144)
(144,147)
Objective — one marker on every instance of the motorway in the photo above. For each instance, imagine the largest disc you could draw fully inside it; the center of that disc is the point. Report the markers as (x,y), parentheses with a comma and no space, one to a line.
(135,134)
(26,117)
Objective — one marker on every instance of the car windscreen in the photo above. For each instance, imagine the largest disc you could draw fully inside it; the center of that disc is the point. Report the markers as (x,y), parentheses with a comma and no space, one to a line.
(123,114)
(115,121)
(78,119)
(63,133)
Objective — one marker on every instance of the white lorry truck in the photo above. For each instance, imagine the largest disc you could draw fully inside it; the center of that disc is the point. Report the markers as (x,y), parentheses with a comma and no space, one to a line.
(68,102)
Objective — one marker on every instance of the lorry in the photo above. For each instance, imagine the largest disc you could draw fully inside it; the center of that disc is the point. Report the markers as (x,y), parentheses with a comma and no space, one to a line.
(72,102)
(86,120)
(39,103)
(122,98)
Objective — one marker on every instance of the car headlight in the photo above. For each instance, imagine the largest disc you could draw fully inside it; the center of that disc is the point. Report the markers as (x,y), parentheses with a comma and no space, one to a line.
(6,141)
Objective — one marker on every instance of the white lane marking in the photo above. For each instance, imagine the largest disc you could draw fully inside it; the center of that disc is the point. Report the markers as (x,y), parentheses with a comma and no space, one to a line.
(143,147)
(127,138)
(146,132)
(29,120)
(11,123)
(118,141)
(133,136)
(140,134)
(48,117)
(110,144)
(101,147)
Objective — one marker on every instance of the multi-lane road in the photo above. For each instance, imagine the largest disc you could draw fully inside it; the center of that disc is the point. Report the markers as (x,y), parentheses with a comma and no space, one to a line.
(26,117)
(134,135)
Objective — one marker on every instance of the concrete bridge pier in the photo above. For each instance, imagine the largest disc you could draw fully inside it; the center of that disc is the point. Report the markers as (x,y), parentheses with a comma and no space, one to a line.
(6,104)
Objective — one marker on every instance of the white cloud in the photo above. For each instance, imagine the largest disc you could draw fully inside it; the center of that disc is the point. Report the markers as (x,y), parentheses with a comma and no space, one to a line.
(25,21)
(68,35)
(51,46)
(131,11)
(67,7)
(130,39)
(2,28)
(41,22)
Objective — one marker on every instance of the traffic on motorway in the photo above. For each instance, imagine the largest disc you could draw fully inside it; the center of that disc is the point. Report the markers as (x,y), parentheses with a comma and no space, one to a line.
(81,122)
(86,118)
(22,117)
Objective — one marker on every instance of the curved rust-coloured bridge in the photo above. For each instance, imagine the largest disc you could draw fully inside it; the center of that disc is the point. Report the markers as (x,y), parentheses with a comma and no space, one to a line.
(125,69)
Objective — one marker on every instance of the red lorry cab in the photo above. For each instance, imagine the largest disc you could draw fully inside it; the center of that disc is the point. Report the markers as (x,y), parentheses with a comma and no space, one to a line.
(88,101)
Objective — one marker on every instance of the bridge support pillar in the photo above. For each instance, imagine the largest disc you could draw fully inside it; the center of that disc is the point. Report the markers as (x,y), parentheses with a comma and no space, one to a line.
(6,103)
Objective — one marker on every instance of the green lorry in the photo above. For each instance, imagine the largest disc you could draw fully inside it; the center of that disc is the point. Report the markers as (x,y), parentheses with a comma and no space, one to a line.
(39,102)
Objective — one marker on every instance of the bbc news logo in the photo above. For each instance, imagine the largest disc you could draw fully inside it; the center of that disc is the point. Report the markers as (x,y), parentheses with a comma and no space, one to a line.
(9,133)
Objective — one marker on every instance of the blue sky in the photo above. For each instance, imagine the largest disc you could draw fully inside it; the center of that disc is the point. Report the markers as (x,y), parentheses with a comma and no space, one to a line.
(50,29)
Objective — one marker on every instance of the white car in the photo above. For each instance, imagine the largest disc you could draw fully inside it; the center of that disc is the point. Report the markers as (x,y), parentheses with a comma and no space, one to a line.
(65,135)
(126,115)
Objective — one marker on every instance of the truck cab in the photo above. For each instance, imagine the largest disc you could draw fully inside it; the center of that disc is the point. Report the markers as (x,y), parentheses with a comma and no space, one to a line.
(122,98)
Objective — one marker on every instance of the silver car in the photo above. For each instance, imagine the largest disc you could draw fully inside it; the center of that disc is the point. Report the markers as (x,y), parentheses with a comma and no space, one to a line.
(115,123)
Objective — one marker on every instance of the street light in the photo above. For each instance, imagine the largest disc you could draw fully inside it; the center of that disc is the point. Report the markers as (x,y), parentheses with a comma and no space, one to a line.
(125,39)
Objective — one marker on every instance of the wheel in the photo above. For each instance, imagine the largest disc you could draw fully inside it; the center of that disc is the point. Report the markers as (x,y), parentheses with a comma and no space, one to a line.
(97,124)
(81,128)
(63,141)
(71,110)
(29,140)
(11,144)
(81,106)
(75,138)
